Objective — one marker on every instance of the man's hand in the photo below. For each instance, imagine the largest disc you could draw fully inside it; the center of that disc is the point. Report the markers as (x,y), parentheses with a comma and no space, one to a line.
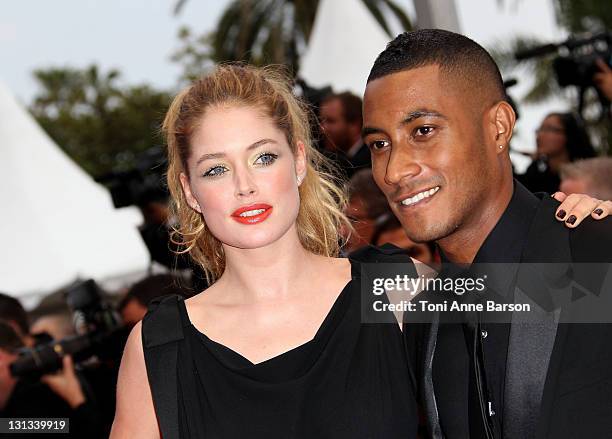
(603,78)
(65,383)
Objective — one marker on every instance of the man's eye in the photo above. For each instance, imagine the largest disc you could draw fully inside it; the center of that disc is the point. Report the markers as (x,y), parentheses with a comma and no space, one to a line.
(215,171)
(378,144)
(423,131)
(265,159)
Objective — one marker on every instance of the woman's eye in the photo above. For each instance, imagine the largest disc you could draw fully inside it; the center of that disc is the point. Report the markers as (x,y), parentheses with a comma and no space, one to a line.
(215,171)
(423,131)
(378,144)
(266,159)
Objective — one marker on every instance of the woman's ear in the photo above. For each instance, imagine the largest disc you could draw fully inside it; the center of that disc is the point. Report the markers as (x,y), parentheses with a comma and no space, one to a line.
(300,161)
(193,203)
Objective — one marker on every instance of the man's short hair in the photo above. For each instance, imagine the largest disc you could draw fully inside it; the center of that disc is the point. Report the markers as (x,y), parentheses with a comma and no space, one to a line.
(12,311)
(9,340)
(454,53)
(152,287)
(595,172)
(351,106)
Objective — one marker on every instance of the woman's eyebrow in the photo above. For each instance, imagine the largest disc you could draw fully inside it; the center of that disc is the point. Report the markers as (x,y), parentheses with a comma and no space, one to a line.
(218,155)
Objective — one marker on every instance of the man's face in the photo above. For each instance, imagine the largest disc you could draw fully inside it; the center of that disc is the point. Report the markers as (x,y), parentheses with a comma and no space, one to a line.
(336,130)
(133,312)
(428,152)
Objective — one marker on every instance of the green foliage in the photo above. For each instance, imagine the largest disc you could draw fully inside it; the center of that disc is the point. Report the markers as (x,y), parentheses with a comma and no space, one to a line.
(194,54)
(575,16)
(580,15)
(268,31)
(98,123)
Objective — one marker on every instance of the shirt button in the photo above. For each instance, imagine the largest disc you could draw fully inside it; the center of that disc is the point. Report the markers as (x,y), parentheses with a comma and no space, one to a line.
(484,334)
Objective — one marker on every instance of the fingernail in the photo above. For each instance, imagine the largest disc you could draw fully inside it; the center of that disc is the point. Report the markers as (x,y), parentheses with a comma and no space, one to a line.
(561,214)
(571,220)
(553,195)
(598,211)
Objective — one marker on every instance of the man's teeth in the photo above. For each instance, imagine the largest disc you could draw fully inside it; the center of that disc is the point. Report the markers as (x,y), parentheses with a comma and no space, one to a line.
(252,212)
(418,197)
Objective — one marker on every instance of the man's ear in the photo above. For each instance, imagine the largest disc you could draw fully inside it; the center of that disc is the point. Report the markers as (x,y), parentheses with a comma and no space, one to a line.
(502,118)
(193,203)
(300,161)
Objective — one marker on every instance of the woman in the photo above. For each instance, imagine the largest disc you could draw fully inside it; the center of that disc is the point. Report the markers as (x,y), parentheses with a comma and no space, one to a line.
(561,138)
(275,347)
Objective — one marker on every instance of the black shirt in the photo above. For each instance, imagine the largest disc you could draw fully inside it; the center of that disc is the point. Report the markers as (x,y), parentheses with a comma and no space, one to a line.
(454,383)
(350,381)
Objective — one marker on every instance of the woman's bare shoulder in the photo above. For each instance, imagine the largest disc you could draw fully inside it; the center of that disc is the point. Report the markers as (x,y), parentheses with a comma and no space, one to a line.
(134,414)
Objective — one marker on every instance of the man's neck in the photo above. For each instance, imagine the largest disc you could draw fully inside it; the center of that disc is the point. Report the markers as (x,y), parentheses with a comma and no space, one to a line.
(462,245)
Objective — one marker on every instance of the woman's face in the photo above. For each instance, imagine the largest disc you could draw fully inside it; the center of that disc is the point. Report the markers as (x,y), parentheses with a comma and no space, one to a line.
(550,137)
(243,177)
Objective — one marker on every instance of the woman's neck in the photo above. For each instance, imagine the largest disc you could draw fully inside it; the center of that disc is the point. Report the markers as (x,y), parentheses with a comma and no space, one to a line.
(268,272)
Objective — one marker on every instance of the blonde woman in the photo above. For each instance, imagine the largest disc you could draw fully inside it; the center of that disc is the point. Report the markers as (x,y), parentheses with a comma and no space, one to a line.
(275,347)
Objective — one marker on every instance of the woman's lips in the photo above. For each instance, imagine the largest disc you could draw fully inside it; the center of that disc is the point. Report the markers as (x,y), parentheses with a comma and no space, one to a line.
(252,214)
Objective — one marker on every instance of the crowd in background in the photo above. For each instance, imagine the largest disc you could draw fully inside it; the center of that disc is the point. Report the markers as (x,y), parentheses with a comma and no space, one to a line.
(85,391)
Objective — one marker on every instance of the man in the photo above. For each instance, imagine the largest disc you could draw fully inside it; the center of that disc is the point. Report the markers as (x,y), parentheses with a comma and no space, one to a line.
(341,122)
(57,395)
(133,306)
(13,313)
(590,176)
(438,127)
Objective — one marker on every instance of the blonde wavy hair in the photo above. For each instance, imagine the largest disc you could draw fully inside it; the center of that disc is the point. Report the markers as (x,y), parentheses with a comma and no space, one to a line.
(322,197)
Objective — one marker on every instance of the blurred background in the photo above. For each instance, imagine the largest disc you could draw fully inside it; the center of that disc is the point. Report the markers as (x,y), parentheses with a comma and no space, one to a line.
(83,89)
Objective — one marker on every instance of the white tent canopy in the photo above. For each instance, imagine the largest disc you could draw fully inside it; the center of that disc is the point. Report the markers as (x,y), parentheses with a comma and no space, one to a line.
(345,41)
(57,223)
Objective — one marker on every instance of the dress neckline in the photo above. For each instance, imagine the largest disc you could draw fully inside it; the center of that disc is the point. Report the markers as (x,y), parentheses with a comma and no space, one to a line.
(239,361)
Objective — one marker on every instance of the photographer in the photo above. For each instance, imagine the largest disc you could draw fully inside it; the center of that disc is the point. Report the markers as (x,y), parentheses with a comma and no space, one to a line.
(603,79)
(58,395)
(561,138)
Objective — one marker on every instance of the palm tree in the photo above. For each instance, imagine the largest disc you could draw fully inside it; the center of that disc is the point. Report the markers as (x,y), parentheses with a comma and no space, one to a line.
(277,31)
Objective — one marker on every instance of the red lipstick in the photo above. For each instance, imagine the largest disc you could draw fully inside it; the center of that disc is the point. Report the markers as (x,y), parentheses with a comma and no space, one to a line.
(252,214)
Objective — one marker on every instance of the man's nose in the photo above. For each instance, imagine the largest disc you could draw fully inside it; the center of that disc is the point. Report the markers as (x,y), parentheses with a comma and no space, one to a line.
(401,164)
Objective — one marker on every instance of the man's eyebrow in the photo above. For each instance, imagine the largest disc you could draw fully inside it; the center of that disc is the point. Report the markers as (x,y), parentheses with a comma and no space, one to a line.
(413,115)
(409,117)
(218,155)
(370,130)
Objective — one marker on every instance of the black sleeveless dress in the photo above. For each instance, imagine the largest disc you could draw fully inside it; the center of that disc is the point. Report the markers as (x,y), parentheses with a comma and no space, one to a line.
(350,381)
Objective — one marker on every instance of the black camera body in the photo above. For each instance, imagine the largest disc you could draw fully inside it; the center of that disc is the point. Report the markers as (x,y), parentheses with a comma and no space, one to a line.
(575,64)
(99,333)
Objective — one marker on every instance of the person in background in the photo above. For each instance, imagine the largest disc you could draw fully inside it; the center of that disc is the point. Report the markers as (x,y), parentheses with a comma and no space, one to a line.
(603,79)
(13,313)
(561,138)
(133,306)
(366,209)
(591,176)
(57,326)
(56,395)
(391,231)
(341,121)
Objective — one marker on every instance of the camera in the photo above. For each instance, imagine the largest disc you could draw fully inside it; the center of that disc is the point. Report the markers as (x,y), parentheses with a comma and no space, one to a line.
(99,331)
(575,64)
(140,184)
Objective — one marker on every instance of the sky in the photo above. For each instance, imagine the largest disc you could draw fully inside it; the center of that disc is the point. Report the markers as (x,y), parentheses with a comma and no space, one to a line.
(138,37)
(135,36)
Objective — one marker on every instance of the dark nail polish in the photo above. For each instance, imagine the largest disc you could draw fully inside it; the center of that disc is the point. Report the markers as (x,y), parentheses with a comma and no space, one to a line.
(598,211)
(561,214)
(572,219)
